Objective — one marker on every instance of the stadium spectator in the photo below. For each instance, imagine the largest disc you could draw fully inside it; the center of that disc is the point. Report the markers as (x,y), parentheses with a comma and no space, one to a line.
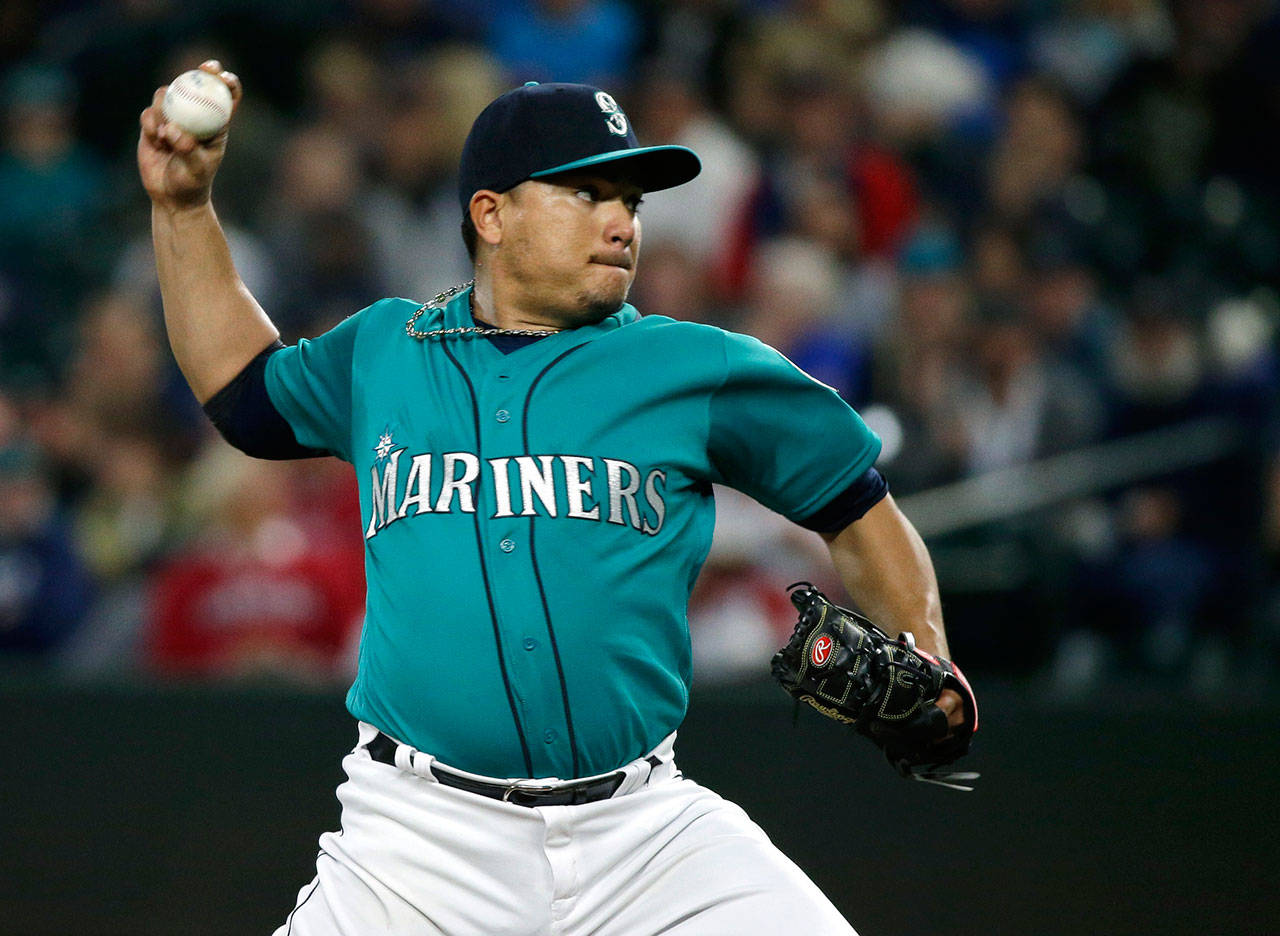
(267,589)
(412,207)
(53,194)
(45,590)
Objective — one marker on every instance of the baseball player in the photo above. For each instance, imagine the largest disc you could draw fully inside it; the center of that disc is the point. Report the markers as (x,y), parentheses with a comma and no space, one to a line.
(535,462)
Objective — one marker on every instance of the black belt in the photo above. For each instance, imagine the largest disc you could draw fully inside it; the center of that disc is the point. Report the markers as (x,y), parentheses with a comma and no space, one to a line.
(383,750)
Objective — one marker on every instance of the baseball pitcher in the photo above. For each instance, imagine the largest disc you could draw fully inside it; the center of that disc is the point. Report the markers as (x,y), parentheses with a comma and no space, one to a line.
(535,462)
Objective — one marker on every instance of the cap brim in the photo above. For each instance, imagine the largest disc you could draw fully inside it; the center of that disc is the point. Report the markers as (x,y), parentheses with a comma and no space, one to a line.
(653,168)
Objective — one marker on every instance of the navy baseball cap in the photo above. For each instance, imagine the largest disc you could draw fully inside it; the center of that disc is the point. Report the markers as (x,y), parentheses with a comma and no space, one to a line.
(542,129)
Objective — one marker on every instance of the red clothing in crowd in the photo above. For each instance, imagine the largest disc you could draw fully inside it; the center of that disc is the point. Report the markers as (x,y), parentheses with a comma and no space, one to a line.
(215,613)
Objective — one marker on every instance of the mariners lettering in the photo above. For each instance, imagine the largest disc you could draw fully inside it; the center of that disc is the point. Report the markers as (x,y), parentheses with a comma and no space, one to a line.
(417,490)
(537,480)
(654,497)
(383,493)
(576,487)
(463,486)
(501,487)
(620,491)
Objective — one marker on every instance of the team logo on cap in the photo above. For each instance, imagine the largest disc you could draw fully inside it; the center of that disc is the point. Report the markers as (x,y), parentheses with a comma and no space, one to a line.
(617,120)
(821,651)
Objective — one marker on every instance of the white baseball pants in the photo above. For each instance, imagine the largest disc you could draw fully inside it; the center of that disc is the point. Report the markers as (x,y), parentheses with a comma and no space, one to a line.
(417,858)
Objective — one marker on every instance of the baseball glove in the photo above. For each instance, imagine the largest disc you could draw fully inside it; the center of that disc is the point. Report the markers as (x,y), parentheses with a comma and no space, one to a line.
(850,670)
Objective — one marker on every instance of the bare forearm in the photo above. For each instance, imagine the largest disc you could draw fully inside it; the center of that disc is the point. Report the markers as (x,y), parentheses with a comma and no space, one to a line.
(886,568)
(215,325)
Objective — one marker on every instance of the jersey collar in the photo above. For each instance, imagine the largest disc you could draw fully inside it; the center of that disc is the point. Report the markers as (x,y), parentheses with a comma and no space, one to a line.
(457,314)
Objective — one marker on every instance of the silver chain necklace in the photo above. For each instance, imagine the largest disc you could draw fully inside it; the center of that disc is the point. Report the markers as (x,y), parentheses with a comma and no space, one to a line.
(472,331)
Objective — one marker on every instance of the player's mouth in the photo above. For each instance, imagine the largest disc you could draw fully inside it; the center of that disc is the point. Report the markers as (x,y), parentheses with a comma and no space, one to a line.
(622,262)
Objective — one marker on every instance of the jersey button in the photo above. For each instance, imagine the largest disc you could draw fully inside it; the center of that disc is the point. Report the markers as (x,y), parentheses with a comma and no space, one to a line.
(507,545)
(502,415)
(530,644)
(549,736)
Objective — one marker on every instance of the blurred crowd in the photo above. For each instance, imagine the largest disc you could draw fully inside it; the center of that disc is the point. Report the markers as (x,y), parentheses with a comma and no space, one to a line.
(1005,230)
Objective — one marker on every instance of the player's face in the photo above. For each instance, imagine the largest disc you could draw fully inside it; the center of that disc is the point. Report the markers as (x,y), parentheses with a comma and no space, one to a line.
(573,242)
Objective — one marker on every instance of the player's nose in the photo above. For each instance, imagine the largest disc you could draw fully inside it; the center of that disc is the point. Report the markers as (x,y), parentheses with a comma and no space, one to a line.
(620,224)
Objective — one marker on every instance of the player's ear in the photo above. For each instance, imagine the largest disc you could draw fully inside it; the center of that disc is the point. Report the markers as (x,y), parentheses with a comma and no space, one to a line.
(486,215)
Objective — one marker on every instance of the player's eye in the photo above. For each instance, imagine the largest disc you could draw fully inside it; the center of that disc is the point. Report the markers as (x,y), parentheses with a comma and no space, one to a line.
(633,204)
(588,193)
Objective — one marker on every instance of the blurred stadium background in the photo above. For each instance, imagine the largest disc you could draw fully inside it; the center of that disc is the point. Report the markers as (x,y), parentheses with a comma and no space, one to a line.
(1034,242)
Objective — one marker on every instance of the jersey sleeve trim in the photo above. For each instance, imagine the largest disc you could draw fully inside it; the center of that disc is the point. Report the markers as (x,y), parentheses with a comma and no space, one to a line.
(851,504)
(856,469)
(245,416)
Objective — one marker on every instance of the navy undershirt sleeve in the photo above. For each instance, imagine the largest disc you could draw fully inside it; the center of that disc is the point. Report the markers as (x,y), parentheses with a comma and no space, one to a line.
(851,504)
(243,412)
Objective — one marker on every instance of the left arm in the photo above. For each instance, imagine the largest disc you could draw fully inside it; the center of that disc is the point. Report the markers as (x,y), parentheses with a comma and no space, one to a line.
(886,568)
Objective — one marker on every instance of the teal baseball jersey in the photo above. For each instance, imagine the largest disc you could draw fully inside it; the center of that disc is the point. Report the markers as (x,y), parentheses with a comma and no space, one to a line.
(534,521)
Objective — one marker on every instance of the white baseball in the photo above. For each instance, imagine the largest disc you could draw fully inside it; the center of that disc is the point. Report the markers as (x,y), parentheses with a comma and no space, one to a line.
(198,102)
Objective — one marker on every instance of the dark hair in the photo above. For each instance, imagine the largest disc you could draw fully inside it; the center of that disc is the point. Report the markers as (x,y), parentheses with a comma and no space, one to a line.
(469,236)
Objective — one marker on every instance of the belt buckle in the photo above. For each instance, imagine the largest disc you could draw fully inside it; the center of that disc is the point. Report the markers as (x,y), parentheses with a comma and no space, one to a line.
(527,788)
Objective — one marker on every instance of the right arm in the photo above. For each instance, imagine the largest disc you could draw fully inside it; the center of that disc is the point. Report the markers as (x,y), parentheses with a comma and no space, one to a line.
(215,325)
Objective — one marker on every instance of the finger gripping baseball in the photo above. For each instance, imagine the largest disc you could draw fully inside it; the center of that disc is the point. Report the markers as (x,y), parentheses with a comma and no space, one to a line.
(841,664)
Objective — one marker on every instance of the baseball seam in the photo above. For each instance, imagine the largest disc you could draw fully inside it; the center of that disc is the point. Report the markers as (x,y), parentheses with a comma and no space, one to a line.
(185,93)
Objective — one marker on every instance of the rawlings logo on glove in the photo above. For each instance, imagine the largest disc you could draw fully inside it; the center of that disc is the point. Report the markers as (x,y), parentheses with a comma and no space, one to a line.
(848,669)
